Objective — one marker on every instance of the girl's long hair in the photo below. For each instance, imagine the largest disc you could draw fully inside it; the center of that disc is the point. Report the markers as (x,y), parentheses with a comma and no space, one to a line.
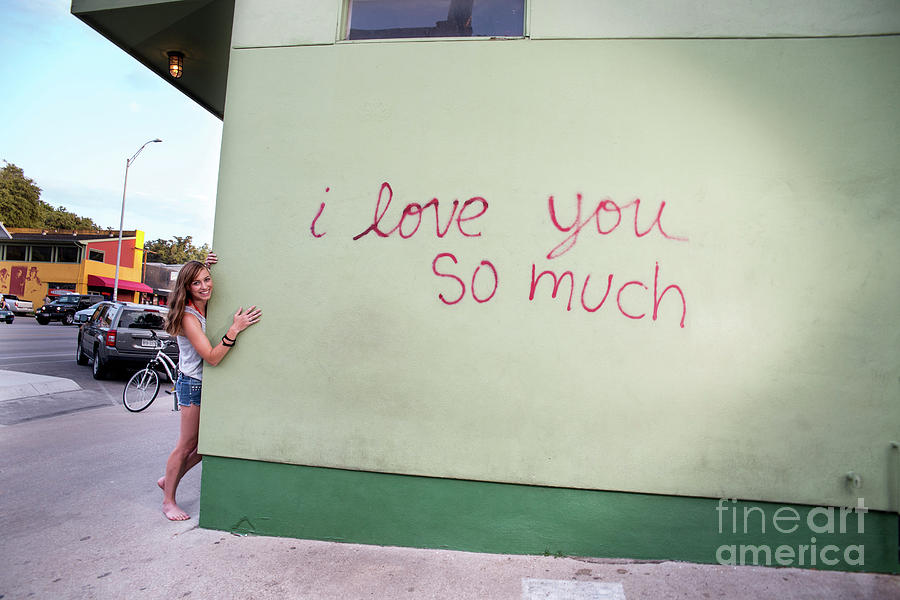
(181,295)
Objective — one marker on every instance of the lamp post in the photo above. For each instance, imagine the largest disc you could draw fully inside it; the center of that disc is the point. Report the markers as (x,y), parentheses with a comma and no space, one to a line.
(128,163)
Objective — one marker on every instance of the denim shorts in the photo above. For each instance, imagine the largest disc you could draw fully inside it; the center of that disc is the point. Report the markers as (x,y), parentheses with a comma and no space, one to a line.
(188,390)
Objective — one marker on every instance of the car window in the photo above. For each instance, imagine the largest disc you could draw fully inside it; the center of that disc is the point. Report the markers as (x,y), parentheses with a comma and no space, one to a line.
(101,318)
(140,319)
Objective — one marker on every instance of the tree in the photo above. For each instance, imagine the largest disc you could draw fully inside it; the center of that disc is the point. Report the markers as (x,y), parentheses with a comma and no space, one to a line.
(20,199)
(177,251)
(21,205)
(60,218)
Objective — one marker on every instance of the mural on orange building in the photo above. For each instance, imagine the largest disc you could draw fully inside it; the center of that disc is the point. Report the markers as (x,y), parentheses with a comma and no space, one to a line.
(33,285)
(17,281)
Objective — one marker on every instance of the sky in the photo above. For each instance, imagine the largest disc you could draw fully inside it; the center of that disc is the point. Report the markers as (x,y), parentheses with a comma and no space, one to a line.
(74,108)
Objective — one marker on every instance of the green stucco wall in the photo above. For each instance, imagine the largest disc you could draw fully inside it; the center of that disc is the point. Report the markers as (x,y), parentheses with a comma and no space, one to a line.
(776,162)
(247,497)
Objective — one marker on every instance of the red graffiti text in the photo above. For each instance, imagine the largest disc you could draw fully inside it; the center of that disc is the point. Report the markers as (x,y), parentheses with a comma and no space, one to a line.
(480,298)
(628,296)
(312,227)
(411,218)
(607,216)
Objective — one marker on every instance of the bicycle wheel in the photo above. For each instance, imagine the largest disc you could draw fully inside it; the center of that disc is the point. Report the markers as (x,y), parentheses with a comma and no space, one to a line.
(141,390)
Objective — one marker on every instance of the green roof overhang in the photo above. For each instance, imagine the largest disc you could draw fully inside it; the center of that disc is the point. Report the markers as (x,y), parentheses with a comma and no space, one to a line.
(149,29)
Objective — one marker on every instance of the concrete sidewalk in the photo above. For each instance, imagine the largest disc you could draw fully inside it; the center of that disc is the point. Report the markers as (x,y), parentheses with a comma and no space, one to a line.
(15,385)
(26,396)
(80,515)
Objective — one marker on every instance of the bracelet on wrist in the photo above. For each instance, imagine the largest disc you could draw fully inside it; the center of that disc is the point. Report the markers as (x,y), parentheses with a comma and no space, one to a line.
(225,343)
(225,337)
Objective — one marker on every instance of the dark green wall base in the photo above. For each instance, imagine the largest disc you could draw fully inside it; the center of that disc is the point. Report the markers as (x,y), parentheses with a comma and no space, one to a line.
(396,510)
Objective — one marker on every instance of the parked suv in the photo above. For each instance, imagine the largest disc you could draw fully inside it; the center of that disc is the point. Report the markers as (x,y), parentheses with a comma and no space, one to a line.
(122,334)
(64,308)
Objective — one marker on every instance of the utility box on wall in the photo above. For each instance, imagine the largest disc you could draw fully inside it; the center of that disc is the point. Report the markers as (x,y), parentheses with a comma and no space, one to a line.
(561,289)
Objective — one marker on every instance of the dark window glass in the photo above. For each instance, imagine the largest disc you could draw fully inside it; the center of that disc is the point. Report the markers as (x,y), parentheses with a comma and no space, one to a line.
(41,253)
(61,286)
(381,19)
(15,252)
(95,255)
(66,254)
(137,319)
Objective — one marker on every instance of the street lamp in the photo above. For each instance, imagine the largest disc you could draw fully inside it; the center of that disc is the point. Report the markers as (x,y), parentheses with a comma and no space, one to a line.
(128,163)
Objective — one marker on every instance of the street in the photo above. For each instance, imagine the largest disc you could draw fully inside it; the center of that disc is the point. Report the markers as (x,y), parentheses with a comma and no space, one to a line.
(46,350)
(78,475)
(28,347)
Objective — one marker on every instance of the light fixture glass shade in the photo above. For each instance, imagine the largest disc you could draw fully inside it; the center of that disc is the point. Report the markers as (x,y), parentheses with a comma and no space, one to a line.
(176,64)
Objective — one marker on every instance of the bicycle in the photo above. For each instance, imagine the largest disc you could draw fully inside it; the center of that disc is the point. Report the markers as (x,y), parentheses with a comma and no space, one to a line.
(143,387)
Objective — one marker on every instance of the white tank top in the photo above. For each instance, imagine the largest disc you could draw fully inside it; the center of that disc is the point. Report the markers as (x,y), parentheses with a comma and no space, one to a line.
(189,362)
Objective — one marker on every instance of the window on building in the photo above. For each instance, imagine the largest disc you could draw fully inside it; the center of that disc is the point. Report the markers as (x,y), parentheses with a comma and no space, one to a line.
(55,286)
(41,253)
(16,252)
(383,19)
(95,255)
(66,254)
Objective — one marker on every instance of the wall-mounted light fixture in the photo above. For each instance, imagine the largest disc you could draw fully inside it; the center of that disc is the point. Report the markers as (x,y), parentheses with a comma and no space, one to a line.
(176,64)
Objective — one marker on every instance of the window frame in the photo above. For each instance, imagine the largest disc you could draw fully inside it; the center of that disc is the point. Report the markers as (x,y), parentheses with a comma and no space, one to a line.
(343,33)
(49,259)
(58,250)
(25,247)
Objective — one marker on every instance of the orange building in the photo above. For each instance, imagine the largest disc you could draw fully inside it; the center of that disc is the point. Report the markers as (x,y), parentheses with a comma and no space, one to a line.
(35,261)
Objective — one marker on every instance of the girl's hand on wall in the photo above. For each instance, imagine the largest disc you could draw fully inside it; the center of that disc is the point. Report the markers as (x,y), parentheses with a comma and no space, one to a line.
(211,259)
(243,320)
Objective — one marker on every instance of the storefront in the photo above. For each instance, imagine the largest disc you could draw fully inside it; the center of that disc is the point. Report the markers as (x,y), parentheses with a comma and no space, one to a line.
(36,263)
(161,279)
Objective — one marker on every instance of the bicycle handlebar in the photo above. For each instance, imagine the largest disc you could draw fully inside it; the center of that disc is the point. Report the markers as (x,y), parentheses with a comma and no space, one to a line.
(163,343)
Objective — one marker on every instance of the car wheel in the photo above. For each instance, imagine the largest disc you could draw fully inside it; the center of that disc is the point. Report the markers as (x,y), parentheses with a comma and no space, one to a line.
(42,320)
(80,357)
(9,320)
(99,369)
(68,319)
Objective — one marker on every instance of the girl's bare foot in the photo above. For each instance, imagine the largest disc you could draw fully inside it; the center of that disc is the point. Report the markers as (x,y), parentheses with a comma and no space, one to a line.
(161,482)
(173,513)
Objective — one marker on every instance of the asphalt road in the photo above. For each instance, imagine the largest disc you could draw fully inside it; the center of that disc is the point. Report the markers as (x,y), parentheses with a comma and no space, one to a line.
(28,347)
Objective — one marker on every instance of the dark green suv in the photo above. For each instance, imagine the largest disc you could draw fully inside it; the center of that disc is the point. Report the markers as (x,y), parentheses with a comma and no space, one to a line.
(64,308)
